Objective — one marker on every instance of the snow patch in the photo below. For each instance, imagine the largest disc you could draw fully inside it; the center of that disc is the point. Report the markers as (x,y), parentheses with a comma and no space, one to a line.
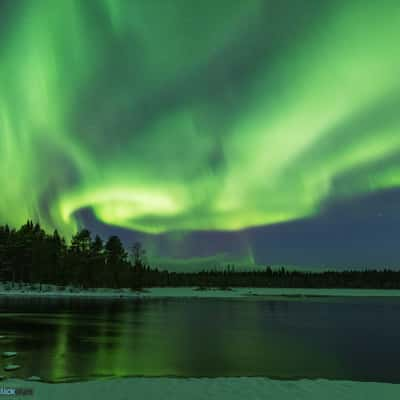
(210,389)
(6,289)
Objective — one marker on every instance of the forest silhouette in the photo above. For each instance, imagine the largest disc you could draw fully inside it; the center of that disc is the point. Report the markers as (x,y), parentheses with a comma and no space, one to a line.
(30,255)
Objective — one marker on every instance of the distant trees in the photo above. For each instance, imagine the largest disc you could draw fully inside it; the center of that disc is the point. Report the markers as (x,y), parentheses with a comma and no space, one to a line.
(31,255)
(57,249)
(97,263)
(138,259)
(138,256)
(116,259)
(81,242)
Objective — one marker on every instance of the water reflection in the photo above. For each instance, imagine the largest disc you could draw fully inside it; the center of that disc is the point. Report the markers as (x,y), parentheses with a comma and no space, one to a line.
(61,339)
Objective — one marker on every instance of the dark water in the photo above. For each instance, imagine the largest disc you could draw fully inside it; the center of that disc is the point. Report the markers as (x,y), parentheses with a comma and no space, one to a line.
(335,338)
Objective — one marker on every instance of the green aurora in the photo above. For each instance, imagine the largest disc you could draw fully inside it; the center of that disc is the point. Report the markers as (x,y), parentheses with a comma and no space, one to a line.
(180,115)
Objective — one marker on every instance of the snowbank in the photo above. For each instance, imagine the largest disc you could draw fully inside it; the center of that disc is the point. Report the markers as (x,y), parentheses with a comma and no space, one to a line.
(207,389)
(54,291)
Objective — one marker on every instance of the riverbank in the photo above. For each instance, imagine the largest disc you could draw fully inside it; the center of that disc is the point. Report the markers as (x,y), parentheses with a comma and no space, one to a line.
(28,290)
(201,389)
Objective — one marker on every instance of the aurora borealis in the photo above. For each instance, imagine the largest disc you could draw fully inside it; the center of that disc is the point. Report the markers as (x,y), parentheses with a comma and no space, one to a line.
(176,118)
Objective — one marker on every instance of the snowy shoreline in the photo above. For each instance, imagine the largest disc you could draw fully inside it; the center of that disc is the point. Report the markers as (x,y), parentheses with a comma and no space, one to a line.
(6,290)
(206,388)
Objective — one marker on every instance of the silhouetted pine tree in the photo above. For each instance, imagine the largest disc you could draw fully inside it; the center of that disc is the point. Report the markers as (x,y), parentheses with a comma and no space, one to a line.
(116,259)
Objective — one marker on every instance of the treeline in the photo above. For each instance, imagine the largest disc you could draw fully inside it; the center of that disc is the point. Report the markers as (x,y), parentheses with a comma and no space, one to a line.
(31,255)
(279,278)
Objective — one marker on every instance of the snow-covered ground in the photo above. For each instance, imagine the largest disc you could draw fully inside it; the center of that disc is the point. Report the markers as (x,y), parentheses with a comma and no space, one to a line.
(6,289)
(207,389)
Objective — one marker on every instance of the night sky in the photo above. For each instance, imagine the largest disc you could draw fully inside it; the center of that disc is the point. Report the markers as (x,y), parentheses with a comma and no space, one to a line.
(257,131)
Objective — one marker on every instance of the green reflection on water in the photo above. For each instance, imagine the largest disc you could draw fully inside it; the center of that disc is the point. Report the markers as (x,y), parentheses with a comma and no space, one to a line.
(75,340)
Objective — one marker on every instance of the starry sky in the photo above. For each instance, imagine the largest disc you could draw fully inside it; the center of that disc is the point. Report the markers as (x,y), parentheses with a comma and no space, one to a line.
(258,131)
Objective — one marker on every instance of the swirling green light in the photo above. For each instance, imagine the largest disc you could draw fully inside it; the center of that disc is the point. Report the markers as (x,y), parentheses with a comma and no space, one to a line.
(163,116)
